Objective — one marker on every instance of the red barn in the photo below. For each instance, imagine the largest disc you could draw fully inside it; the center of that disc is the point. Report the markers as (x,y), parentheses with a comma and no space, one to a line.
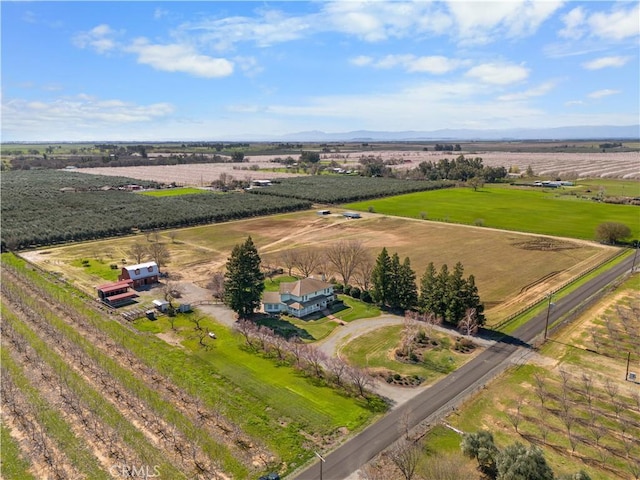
(141,274)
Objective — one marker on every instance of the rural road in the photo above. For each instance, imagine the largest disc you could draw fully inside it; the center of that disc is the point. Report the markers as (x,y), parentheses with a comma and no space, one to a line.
(343,462)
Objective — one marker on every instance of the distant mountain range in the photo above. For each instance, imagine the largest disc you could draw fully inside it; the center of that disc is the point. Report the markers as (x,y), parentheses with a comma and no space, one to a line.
(600,132)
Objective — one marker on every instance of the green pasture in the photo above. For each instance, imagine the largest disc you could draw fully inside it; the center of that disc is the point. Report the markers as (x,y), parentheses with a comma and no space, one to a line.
(607,186)
(173,192)
(526,210)
(97,268)
(315,408)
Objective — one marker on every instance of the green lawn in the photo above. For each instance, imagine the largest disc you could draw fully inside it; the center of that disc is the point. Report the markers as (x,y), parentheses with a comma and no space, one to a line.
(526,210)
(173,192)
(273,285)
(317,408)
(98,268)
(355,309)
(373,350)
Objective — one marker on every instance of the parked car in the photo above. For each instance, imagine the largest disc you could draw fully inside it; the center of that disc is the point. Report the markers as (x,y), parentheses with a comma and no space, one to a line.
(270,476)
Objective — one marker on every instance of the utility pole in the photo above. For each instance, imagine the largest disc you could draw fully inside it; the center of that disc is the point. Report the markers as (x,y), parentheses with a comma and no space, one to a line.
(546,325)
(321,462)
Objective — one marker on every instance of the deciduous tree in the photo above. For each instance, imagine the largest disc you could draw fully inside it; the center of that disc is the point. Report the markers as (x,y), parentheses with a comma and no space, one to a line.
(612,232)
(345,256)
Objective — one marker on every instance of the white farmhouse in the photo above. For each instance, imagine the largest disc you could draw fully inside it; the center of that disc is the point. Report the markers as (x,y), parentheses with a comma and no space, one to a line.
(300,298)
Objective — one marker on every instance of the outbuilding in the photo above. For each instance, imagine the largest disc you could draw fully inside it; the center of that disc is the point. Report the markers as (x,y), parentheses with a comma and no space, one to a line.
(141,274)
(116,294)
(351,215)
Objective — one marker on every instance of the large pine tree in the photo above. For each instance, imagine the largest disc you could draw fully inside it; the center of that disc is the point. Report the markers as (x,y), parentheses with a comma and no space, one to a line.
(381,281)
(244,281)
(406,285)
(448,295)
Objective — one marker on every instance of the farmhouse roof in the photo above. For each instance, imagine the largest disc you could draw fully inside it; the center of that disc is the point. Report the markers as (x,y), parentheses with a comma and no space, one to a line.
(270,297)
(303,287)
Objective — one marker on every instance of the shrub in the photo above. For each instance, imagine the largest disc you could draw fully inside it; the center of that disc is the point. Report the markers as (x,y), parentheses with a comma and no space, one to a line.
(355,292)
(365,296)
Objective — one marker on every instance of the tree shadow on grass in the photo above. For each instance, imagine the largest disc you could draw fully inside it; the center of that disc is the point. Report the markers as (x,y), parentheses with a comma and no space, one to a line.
(282,327)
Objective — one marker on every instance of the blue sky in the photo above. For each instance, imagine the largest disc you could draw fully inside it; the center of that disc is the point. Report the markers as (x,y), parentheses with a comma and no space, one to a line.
(148,70)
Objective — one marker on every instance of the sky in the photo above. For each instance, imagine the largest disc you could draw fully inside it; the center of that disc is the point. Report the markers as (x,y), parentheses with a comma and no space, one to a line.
(206,70)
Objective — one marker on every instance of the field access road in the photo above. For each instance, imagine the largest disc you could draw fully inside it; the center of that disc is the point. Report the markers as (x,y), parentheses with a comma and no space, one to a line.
(341,463)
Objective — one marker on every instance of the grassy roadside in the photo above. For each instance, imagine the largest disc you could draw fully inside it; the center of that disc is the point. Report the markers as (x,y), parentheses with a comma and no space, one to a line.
(539,307)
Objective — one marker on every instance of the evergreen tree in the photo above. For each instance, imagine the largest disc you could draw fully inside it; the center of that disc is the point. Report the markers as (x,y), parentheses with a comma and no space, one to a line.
(441,293)
(426,300)
(393,299)
(471,299)
(381,281)
(407,290)
(454,304)
(244,281)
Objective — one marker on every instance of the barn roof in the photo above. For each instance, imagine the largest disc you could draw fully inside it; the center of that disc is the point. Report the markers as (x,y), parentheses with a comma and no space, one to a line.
(147,269)
(111,287)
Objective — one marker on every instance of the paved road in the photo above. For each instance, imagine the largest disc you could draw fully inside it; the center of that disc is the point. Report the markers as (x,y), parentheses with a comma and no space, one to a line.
(344,461)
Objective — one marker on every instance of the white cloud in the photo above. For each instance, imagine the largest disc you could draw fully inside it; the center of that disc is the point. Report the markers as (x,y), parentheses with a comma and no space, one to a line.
(498,73)
(158,13)
(79,113)
(179,58)
(605,62)
(571,103)
(269,28)
(573,24)
(99,38)
(482,22)
(603,93)
(361,61)
(619,24)
(538,91)
(434,64)
(249,65)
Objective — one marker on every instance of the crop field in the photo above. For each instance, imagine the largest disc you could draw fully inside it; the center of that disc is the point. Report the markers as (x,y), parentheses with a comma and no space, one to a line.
(545,164)
(511,269)
(524,210)
(572,399)
(173,192)
(83,393)
(44,207)
(345,188)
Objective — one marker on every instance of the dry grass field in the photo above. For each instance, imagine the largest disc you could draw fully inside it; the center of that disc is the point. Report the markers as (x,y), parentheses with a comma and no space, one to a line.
(511,269)
(624,165)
